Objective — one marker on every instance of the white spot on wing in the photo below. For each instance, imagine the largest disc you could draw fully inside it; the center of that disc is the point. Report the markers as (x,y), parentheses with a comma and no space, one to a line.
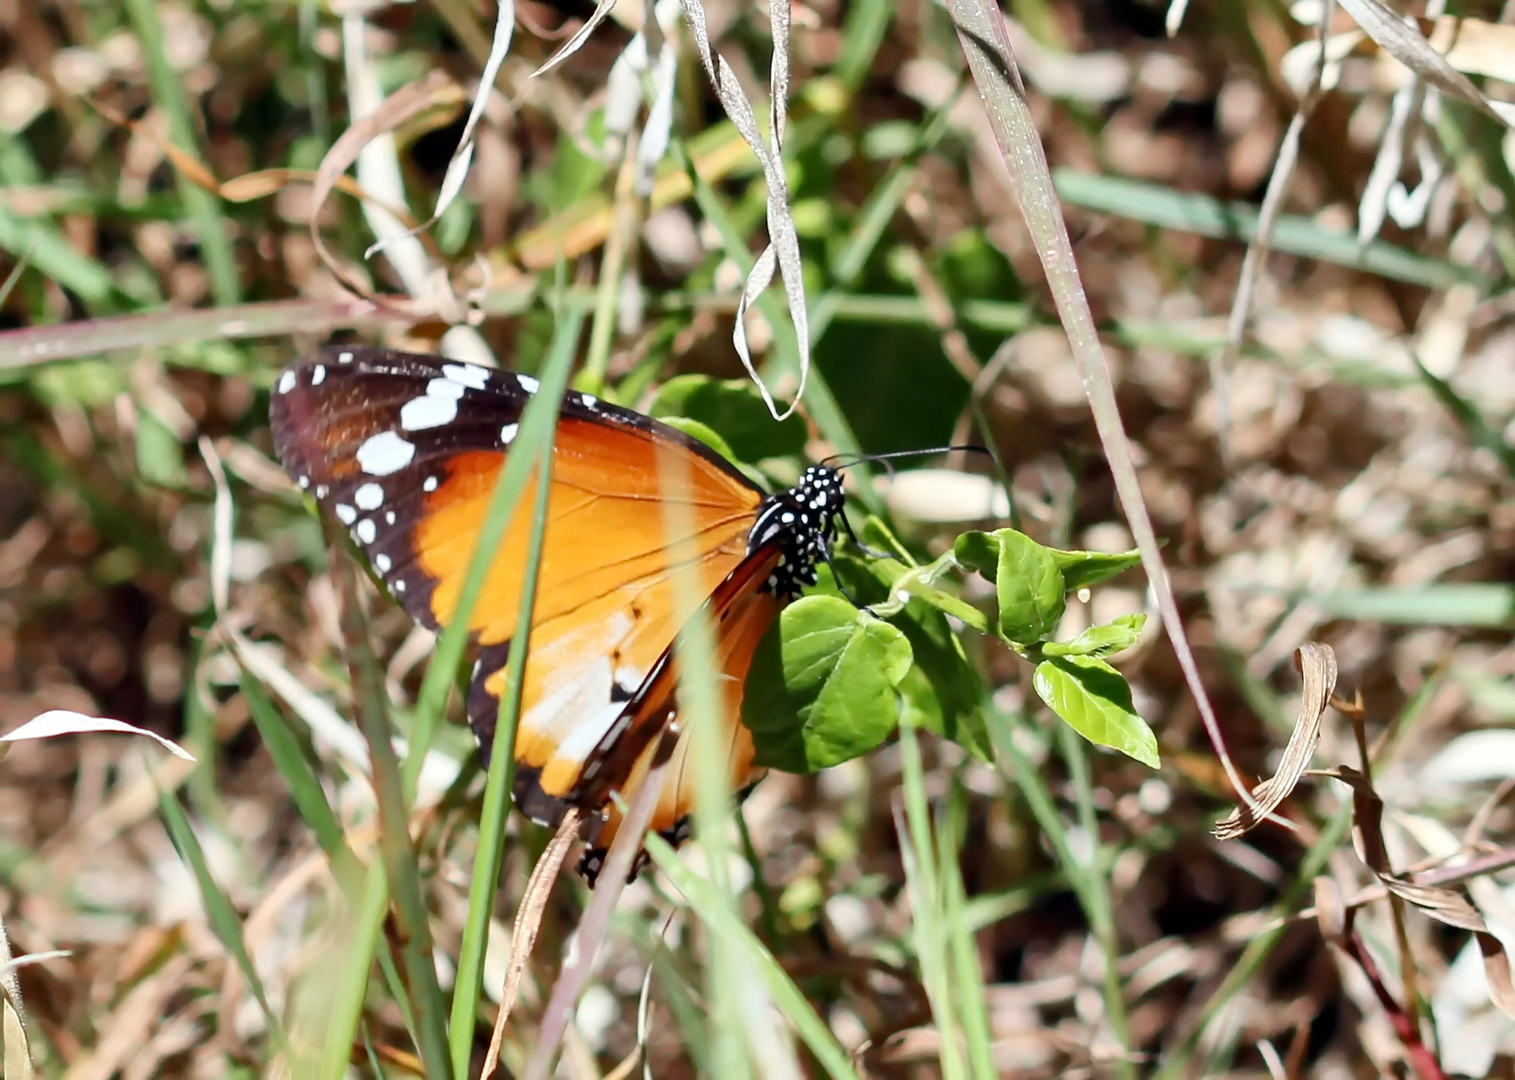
(438,407)
(346,514)
(400,585)
(321,490)
(286,382)
(367,531)
(530,385)
(470,375)
(304,482)
(508,432)
(369,497)
(421,413)
(382,563)
(345,358)
(430,484)
(318,376)
(589,401)
(389,517)
(385,453)
(628,678)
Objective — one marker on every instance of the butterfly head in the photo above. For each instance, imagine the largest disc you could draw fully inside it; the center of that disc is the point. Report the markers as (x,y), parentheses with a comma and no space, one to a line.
(802,521)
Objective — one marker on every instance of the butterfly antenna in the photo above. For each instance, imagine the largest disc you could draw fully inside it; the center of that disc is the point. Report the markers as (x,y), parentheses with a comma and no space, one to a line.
(884,459)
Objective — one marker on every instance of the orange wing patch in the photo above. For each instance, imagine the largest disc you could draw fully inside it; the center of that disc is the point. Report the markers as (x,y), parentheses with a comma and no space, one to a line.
(606,525)
(612,591)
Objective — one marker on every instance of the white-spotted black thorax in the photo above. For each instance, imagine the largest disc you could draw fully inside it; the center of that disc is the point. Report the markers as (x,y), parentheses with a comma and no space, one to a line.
(802,521)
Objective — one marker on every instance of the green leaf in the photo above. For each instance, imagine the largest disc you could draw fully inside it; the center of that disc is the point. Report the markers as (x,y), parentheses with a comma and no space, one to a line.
(1029,585)
(1100,640)
(1094,700)
(941,690)
(736,410)
(823,685)
(696,430)
(1084,568)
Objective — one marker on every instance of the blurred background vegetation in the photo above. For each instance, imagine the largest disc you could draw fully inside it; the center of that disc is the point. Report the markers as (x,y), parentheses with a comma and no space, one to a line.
(1340,473)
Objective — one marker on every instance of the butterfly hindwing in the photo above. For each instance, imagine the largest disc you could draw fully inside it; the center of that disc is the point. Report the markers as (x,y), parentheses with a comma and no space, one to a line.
(738,613)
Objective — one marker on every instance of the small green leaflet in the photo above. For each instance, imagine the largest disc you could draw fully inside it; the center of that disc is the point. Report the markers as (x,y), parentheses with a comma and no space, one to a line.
(1105,640)
(1094,700)
(1026,578)
(1084,568)
(705,433)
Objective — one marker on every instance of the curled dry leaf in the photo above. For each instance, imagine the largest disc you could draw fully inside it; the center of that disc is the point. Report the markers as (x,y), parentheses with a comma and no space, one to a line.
(1317,668)
(782,253)
(462,155)
(55,722)
(1444,905)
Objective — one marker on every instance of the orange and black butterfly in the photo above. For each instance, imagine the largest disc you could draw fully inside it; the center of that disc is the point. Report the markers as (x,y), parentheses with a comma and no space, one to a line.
(405,450)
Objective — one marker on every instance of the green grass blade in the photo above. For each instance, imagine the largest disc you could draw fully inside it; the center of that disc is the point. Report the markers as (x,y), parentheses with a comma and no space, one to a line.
(218,906)
(396,848)
(212,228)
(509,487)
(43,247)
(289,758)
(533,449)
(929,919)
(967,979)
(1098,905)
(1176,1060)
(867,23)
(1480,431)
(352,985)
(725,925)
(1482,604)
(1157,205)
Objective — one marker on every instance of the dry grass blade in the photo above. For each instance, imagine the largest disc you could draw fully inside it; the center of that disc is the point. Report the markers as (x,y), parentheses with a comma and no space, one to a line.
(1444,905)
(575,43)
(462,156)
(783,249)
(594,927)
(528,922)
(437,91)
(985,42)
(15,1052)
(1404,115)
(1404,41)
(1496,968)
(1257,250)
(57,722)
(1317,668)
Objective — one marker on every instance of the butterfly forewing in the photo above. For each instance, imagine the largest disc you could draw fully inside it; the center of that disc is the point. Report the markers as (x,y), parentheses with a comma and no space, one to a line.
(406,450)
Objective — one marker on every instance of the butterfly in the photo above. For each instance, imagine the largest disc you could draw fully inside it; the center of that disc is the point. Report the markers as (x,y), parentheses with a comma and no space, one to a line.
(404,450)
